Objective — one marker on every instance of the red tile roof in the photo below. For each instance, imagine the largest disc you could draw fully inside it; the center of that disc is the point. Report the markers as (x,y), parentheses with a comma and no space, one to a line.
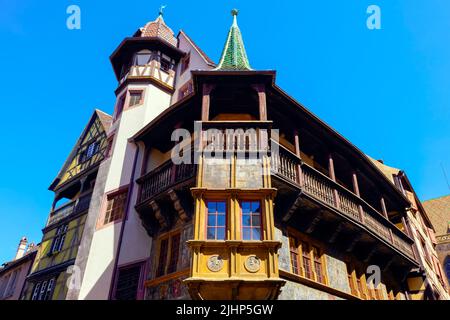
(159,29)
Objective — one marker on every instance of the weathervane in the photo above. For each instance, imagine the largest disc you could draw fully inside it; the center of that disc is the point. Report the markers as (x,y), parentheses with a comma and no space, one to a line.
(161,9)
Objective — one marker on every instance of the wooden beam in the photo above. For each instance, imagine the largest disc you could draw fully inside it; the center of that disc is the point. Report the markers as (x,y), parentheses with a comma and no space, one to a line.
(353,243)
(314,222)
(261,90)
(333,177)
(295,204)
(297,152)
(370,254)
(207,88)
(337,231)
(388,264)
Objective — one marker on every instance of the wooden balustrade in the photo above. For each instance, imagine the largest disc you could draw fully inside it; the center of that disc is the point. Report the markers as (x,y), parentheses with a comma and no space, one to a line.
(162,178)
(316,184)
(76,206)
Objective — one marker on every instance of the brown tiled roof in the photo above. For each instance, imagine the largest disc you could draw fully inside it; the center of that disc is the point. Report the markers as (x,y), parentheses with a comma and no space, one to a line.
(439,212)
(104,118)
(159,29)
(200,51)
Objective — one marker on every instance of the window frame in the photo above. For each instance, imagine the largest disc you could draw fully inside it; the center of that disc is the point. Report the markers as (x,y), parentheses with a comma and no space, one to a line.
(132,92)
(225,227)
(59,239)
(304,249)
(139,289)
(163,265)
(261,224)
(184,64)
(103,221)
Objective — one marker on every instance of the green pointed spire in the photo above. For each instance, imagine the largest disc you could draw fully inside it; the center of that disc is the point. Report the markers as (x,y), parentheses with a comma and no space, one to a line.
(234,56)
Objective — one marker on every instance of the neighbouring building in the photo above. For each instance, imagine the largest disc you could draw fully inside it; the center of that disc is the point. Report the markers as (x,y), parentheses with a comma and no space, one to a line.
(439,212)
(428,282)
(14,273)
(76,195)
(211,182)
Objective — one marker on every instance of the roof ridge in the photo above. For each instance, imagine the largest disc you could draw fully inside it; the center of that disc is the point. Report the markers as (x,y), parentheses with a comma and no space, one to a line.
(437,198)
(207,59)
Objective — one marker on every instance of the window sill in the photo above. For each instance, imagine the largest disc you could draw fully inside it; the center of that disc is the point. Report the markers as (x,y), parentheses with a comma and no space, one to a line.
(165,278)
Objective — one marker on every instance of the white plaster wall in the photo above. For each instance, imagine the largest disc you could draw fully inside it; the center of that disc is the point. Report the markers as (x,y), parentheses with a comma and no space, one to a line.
(136,244)
(196,63)
(97,277)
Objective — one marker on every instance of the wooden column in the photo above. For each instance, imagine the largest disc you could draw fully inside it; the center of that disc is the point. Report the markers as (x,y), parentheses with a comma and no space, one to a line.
(356,190)
(207,88)
(383,208)
(333,177)
(297,152)
(261,90)
(331,167)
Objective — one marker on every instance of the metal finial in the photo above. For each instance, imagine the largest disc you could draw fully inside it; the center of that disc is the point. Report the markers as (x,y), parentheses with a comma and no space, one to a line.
(234,12)
(161,9)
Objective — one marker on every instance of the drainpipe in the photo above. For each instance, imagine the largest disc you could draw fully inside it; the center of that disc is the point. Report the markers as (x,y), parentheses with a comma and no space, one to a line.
(122,228)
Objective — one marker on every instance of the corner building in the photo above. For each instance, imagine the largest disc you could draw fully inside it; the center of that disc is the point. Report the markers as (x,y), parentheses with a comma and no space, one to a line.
(269,202)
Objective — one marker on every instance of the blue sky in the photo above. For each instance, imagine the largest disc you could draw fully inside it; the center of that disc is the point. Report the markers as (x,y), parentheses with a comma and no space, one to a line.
(385,90)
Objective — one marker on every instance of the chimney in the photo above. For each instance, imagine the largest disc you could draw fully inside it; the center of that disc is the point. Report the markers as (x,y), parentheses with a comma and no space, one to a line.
(21,248)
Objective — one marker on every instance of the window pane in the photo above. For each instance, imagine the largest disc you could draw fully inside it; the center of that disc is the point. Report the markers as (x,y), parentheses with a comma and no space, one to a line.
(127,283)
(221,220)
(256,206)
(211,207)
(256,221)
(246,235)
(211,234)
(245,207)
(211,220)
(246,221)
(256,235)
(220,233)
(142,59)
(221,207)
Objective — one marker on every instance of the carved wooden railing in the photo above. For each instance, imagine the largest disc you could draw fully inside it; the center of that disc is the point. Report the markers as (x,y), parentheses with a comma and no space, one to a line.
(76,206)
(284,162)
(316,184)
(162,178)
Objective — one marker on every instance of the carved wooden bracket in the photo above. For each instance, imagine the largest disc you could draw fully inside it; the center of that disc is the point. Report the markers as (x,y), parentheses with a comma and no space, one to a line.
(157,211)
(177,205)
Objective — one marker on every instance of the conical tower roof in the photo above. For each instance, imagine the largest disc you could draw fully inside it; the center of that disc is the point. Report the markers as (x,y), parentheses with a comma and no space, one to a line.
(234,56)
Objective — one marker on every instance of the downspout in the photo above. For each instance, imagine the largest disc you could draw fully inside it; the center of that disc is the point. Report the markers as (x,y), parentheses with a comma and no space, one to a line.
(122,228)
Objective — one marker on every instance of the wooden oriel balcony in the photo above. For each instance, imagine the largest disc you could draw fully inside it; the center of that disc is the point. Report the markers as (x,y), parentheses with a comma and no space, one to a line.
(73,207)
(162,179)
(321,188)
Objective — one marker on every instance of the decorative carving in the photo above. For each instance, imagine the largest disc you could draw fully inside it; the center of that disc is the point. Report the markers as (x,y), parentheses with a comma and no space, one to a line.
(157,210)
(215,263)
(177,205)
(252,264)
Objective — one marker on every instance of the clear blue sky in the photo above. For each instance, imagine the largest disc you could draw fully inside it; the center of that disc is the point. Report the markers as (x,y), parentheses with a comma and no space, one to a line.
(385,90)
